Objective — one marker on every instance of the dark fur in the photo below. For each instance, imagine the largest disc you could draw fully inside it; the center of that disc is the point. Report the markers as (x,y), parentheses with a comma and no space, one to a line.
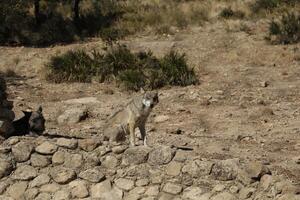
(31,123)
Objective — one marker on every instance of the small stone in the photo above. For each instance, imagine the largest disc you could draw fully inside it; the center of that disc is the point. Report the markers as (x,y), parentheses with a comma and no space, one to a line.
(256,170)
(38,160)
(3,186)
(124,184)
(40,180)
(180,156)
(266,181)
(161,155)
(225,170)
(234,189)
(142,182)
(173,168)
(78,189)
(110,162)
(43,196)
(73,161)
(17,190)
(88,144)
(152,190)
(22,151)
(67,143)
(119,149)
(192,193)
(223,196)
(50,188)
(24,172)
(31,193)
(219,188)
(62,175)
(172,188)
(197,168)
(138,190)
(246,193)
(46,148)
(166,196)
(92,175)
(99,189)
(62,195)
(135,155)
(6,168)
(297,159)
(161,118)
(73,115)
(58,157)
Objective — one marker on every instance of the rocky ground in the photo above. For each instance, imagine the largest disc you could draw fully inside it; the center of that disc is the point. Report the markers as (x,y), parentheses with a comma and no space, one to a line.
(234,136)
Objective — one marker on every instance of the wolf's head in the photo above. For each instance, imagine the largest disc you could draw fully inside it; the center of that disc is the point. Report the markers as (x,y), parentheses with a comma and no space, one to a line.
(150,99)
(36,120)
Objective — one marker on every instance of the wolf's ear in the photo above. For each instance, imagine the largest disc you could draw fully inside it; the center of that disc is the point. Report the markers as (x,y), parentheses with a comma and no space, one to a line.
(40,109)
(142,91)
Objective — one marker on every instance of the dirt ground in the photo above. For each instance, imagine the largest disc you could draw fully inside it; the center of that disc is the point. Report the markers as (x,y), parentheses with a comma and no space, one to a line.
(246,105)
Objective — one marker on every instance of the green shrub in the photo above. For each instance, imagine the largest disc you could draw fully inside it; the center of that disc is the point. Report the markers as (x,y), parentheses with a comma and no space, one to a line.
(132,70)
(287,30)
(73,66)
(176,70)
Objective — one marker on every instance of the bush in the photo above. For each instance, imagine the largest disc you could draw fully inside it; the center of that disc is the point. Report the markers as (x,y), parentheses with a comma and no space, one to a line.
(287,30)
(132,70)
(229,13)
(265,5)
(73,66)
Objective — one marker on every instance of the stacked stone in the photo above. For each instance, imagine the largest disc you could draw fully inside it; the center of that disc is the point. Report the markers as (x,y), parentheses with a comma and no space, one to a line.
(6,113)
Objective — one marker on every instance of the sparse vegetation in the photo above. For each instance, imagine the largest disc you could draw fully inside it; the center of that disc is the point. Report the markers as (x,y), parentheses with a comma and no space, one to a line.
(132,70)
(286,30)
(265,5)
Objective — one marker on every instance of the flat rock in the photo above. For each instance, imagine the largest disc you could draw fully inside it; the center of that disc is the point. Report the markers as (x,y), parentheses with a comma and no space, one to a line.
(78,189)
(67,143)
(88,144)
(161,155)
(119,149)
(73,115)
(172,188)
(24,172)
(246,193)
(58,157)
(223,196)
(22,151)
(136,155)
(173,168)
(62,175)
(31,193)
(43,196)
(50,188)
(92,175)
(40,180)
(110,162)
(142,182)
(100,188)
(124,184)
(6,168)
(46,148)
(192,193)
(73,161)
(256,170)
(266,181)
(152,190)
(62,195)
(17,190)
(197,168)
(225,170)
(38,160)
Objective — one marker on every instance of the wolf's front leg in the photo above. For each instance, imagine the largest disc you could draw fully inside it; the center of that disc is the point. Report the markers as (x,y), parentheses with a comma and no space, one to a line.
(143,134)
(131,134)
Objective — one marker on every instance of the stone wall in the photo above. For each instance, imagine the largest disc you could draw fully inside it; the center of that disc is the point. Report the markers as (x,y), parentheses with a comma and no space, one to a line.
(6,113)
